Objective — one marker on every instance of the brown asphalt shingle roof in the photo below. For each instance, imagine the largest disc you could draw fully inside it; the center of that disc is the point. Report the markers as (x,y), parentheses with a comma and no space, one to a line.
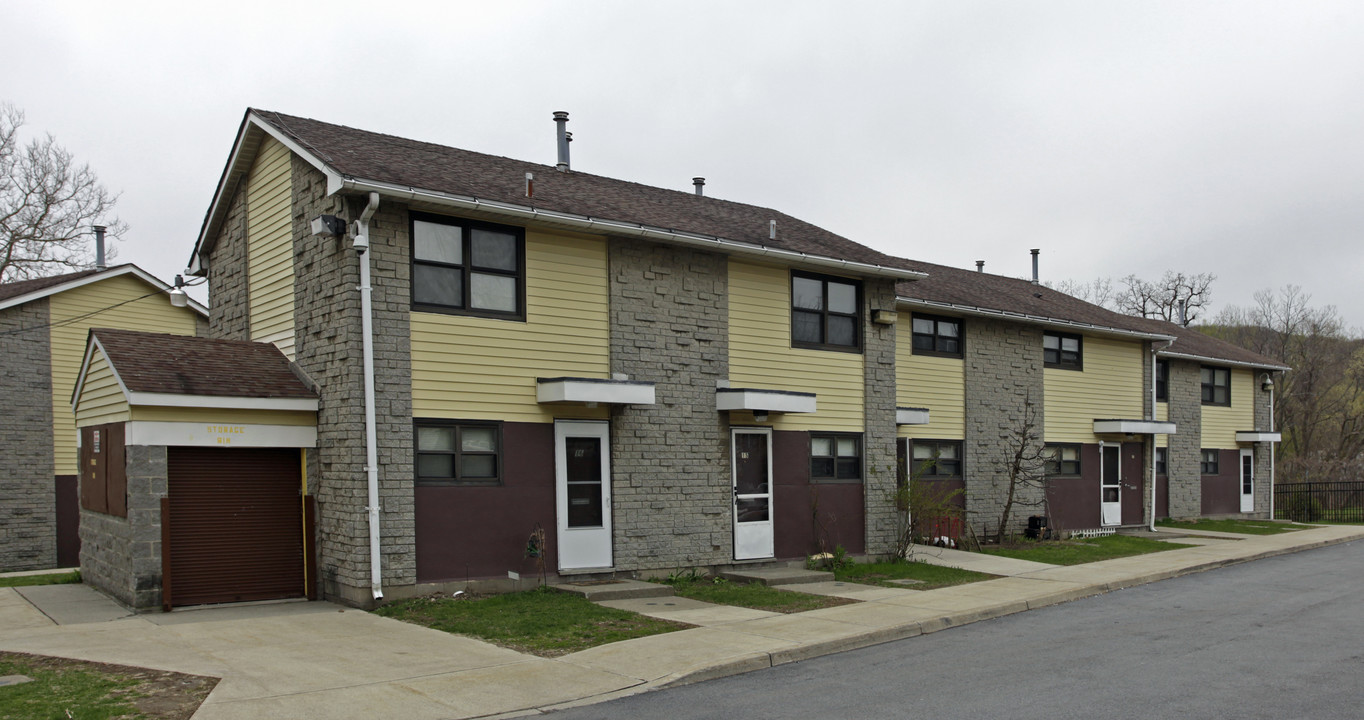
(1189,341)
(24,287)
(409,163)
(187,365)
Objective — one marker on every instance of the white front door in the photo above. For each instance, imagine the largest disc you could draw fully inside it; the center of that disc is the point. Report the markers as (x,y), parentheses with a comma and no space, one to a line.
(582,474)
(1110,483)
(1247,480)
(752,463)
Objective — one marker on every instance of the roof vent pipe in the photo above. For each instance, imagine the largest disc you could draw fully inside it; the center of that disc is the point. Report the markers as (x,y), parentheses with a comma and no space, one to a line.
(772,230)
(99,247)
(530,184)
(1183,313)
(980,266)
(1035,251)
(564,138)
(699,182)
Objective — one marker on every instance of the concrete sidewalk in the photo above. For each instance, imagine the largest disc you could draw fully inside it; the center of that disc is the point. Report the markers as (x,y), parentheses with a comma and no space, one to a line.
(295,660)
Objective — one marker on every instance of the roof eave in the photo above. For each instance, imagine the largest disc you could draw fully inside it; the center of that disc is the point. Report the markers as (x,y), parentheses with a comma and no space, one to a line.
(1060,323)
(143,275)
(1223,361)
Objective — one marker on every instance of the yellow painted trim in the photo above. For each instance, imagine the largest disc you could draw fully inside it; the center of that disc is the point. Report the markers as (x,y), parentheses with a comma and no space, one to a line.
(224,416)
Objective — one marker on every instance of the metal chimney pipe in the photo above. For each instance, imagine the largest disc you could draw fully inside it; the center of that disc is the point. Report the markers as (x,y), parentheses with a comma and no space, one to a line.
(562,136)
(1035,251)
(699,182)
(980,266)
(99,247)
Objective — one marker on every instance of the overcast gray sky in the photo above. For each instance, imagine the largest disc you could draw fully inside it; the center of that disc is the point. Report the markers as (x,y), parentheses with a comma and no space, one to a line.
(1119,138)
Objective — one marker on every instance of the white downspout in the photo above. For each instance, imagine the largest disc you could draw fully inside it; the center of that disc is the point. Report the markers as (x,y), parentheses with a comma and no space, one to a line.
(1152,418)
(371,434)
(1271,447)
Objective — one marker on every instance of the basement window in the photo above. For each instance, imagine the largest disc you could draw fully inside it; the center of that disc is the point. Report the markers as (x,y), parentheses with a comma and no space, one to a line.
(937,459)
(458,453)
(1061,459)
(835,458)
(1208,466)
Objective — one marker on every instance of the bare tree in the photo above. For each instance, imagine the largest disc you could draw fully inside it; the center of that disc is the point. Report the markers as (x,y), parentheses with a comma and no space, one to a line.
(47,205)
(1023,467)
(1175,297)
(1098,292)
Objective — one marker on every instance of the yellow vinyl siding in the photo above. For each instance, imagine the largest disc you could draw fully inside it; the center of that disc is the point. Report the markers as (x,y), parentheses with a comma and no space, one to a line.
(927,381)
(761,356)
(149,314)
(1109,387)
(485,369)
(223,416)
(1220,424)
(102,400)
(270,258)
(1163,415)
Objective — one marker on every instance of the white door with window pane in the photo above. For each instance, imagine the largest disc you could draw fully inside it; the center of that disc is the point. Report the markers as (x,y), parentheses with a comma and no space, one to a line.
(752,463)
(582,471)
(1110,483)
(1247,480)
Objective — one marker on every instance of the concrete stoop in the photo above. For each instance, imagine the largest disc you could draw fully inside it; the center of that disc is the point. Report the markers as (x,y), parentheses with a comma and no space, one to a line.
(599,590)
(772,577)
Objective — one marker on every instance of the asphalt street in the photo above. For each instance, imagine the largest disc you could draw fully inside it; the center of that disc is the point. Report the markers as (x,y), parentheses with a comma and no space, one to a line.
(1276,638)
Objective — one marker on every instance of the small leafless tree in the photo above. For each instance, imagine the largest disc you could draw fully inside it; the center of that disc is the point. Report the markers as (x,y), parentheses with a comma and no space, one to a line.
(1023,467)
(47,205)
(1175,297)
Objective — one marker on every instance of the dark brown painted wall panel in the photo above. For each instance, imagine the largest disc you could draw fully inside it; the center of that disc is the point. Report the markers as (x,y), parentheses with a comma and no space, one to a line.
(481,532)
(1222,492)
(1134,484)
(808,513)
(103,474)
(68,521)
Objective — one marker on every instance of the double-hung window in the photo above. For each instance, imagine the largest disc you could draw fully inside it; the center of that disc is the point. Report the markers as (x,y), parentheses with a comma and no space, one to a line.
(1162,381)
(458,453)
(1062,350)
(937,336)
(835,457)
(826,312)
(1061,459)
(1162,466)
(937,459)
(1216,385)
(1208,464)
(468,268)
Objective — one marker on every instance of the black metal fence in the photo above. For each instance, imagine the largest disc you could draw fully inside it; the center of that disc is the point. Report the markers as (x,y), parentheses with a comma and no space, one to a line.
(1320,501)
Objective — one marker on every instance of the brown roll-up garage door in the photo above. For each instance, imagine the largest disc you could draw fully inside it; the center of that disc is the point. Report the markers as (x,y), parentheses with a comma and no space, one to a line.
(234,525)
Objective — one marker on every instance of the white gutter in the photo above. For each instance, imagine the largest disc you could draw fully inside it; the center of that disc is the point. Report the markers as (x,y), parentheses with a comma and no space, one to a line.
(1152,418)
(974,311)
(1230,363)
(614,227)
(371,434)
(1271,449)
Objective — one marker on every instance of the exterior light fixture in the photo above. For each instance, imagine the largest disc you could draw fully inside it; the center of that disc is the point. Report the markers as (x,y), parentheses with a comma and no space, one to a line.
(177,295)
(328,225)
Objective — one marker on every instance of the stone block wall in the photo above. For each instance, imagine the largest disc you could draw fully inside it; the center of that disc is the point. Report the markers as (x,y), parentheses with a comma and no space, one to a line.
(122,556)
(1003,389)
(878,440)
(28,499)
(670,461)
(329,352)
(1263,465)
(1185,400)
(229,312)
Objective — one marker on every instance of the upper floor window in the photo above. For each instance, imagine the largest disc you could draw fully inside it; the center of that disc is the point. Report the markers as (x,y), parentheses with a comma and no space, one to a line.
(835,457)
(1062,350)
(825,312)
(458,453)
(1162,381)
(468,268)
(934,459)
(937,336)
(1216,384)
(1061,459)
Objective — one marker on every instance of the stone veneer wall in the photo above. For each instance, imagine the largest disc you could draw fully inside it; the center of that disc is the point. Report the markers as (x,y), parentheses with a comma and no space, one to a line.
(878,440)
(670,462)
(122,556)
(1003,377)
(28,499)
(1262,462)
(228,313)
(1185,400)
(329,351)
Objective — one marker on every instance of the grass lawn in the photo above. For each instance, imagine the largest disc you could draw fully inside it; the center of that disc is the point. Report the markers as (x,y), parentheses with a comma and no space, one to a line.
(752,595)
(1078,552)
(46,579)
(930,576)
(1245,527)
(543,622)
(63,688)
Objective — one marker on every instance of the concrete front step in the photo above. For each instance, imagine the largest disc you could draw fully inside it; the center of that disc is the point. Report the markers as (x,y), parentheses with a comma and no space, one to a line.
(598,590)
(777,576)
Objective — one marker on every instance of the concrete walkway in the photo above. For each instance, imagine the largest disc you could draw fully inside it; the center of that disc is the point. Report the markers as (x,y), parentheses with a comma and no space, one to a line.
(295,660)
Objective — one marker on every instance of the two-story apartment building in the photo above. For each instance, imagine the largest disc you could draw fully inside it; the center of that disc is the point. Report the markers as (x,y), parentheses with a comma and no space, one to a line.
(43,326)
(655,378)
(985,360)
